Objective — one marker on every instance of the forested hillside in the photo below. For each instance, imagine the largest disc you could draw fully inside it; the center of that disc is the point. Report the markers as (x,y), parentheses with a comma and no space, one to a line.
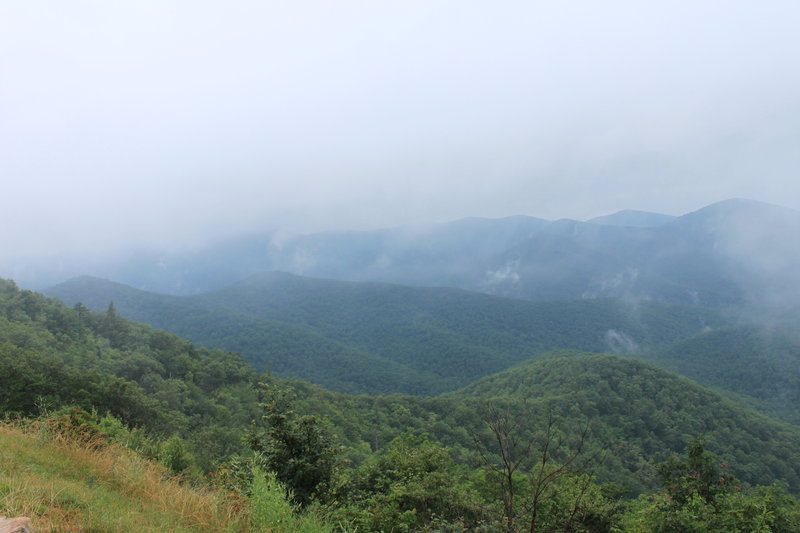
(757,363)
(379,338)
(189,408)
(53,356)
(629,402)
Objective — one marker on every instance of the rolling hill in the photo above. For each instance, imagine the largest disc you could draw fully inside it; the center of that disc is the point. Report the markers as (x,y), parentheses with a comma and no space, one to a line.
(636,409)
(758,364)
(638,414)
(377,338)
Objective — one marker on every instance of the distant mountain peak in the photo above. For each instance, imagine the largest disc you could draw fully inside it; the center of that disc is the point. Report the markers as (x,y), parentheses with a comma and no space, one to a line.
(742,211)
(633,218)
(742,205)
(91,281)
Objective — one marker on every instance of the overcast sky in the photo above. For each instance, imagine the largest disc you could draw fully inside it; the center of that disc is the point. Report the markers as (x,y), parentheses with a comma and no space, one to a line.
(173,121)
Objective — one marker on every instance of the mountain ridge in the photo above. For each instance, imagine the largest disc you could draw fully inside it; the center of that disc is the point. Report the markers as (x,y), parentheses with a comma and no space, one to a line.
(730,253)
(634,218)
(449,335)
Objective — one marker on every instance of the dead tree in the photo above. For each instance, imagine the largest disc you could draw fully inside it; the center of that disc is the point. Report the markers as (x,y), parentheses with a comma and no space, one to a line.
(546,473)
(514,450)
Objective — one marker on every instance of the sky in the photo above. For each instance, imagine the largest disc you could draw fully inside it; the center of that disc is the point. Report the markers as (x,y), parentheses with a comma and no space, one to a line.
(174,122)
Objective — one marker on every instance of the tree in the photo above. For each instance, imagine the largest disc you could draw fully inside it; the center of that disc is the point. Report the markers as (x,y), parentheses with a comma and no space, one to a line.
(512,451)
(114,327)
(558,493)
(547,477)
(299,449)
(409,485)
(699,474)
(700,496)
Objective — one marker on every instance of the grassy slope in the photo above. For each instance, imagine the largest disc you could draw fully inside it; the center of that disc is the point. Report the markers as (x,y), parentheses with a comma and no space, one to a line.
(50,482)
(66,486)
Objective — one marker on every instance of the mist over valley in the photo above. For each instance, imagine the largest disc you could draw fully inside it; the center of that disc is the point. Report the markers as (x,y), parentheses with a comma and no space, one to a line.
(734,253)
(411,267)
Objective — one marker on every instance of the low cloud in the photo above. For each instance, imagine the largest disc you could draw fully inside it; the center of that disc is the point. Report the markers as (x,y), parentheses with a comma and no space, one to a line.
(619,342)
(505,275)
(176,124)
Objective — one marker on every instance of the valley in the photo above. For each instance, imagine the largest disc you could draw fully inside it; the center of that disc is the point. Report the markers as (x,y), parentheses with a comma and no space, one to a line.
(622,381)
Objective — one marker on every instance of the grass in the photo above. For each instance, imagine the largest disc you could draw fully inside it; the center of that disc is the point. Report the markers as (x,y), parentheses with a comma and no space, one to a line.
(68,486)
(270,511)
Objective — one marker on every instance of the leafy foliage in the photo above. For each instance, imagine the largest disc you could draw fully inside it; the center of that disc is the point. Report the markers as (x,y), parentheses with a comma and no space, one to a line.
(298,449)
(699,495)
(410,484)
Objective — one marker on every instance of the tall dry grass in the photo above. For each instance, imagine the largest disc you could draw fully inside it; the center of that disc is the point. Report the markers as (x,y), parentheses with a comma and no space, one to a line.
(73,485)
